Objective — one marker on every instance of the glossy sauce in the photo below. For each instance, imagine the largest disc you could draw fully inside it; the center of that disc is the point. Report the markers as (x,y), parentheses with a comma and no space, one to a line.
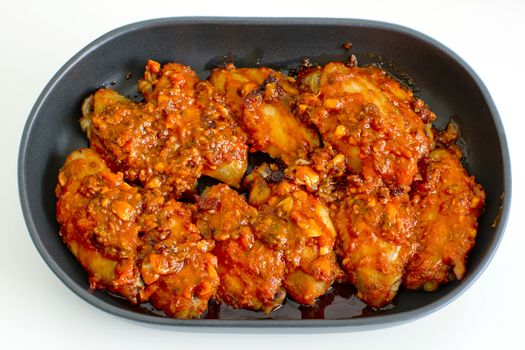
(339,303)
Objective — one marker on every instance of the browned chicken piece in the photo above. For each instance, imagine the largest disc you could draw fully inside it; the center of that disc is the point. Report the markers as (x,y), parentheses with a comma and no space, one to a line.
(178,268)
(98,215)
(375,241)
(150,142)
(166,143)
(250,271)
(308,240)
(185,293)
(222,143)
(448,202)
(371,119)
(262,100)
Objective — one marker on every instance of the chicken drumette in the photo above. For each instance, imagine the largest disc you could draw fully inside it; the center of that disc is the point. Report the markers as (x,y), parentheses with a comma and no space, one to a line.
(308,240)
(251,272)
(262,99)
(98,215)
(370,118)
(448,203)
(375,241)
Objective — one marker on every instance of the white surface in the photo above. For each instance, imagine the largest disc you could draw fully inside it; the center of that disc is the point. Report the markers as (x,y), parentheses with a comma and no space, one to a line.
(38,37)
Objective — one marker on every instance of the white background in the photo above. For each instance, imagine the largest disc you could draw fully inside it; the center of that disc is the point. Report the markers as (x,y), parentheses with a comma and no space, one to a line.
(37,310)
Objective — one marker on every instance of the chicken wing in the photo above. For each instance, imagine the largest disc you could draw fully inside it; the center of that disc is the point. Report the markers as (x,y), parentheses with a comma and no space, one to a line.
(182,131)
(307,241)
(98,215)
(178,269)
(143,143)
(375,241)
(250,270)
(370,118)
(262,99)
(448,202)
(222,143)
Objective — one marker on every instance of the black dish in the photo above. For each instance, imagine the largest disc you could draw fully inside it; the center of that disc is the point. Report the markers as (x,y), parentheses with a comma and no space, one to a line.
(437,75)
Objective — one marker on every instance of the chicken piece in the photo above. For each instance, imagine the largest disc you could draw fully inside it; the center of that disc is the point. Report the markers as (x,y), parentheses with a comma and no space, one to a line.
(251,275)
(182,131)
(250,271)
(222,143)
(375,241)
(448,202)
(311,265)
(147,146)
(188,284)
(370,118)
(262,100)
(178,269)
(98,215)
(154,253)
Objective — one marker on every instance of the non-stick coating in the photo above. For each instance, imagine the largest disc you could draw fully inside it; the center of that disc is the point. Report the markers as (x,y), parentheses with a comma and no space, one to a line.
(439,76)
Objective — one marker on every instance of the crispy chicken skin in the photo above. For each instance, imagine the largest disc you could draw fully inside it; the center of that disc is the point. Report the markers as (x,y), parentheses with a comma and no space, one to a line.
(308,240)
(262,99)
(370,118)
(448,203)
(181,131)
(98,214)
(375,242)
(251,272)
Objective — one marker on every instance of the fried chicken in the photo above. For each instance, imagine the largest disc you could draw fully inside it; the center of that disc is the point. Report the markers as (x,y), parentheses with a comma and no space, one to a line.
(371,119)
(308,240)
(262,100)
(251,272)
(180,132)
(98,215)
(448,203)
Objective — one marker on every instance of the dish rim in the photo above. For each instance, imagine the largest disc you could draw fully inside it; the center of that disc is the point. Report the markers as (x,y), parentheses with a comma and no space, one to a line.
(356,323)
